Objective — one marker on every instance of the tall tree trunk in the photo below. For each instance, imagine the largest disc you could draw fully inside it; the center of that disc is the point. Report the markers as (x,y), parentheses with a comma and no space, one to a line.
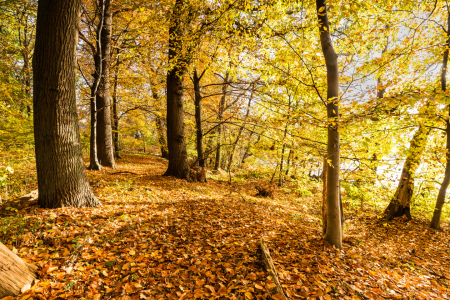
(160,124)
(15,274)
(220,119)
(280,179)
(62,179)
(115,124)
(400,203)
(94,163)
(230,161)
(334,225)
(198,119)
(25,38)
(443,189)
(288,163)
(105,150)
(176,141)
(324,195)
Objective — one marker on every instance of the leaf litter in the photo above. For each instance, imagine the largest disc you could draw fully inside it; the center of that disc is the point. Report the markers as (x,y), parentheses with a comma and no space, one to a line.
(158,237)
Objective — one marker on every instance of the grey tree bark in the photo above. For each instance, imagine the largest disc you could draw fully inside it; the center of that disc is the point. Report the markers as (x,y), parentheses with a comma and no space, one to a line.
(160,125)
(334,226)
(105,150)
(198,118)
(94,163)
(435,221)
(61,174)
(400,203)
(115,121)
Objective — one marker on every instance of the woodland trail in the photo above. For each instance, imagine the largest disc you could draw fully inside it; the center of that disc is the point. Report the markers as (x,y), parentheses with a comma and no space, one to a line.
(158,237)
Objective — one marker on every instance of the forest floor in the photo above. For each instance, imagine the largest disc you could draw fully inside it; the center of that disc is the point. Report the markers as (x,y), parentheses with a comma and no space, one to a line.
(162,238)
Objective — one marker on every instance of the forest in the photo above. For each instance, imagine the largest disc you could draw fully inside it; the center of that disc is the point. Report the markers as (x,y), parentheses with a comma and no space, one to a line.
(229,149)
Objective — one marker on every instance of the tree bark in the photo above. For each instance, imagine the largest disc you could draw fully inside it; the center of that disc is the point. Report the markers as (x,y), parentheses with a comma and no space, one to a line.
(61,174)
(220,119)
(105,148)
(115,124)
(25,39)
(324,195)
(16,275)
(198,118)
(334,225)
(176,141)
(94,163)
(400,203)
(435,221)
(288,163)
(160,124)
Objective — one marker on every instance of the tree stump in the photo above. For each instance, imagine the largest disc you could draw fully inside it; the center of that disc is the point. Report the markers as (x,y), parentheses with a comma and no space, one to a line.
(16,276)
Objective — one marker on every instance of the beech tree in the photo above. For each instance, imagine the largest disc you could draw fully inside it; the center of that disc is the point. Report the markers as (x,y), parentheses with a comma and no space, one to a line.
(435,221)
(60,168)
(103,98)
(400,203)
(333,233)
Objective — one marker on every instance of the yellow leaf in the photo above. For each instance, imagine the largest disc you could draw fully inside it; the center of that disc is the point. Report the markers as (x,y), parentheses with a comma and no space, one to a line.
(248,295)
(132,252)
(322,9)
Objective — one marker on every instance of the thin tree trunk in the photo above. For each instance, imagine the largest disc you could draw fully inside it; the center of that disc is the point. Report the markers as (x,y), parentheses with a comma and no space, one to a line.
(233,149)
(280,180)
(400,203)
(61,174)
(380,88)
(25,37)
(176,141)
(115,125)
(160,124)
(324,195)
(198,119)
(94,162)
(220,119)
(105,149)
(435,221)
(334,225)
(161,136)
(288,163)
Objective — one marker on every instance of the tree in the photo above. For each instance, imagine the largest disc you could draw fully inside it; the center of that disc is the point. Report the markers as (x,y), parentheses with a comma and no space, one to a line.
(400,203)
(334,227)
(222,104)
(61,174)
(178,61)
(443,189)
(105,150)
(198,117)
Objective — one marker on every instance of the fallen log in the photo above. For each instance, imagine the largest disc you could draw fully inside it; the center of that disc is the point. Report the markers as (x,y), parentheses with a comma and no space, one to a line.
(33,195)
(271,269)
(16,276)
